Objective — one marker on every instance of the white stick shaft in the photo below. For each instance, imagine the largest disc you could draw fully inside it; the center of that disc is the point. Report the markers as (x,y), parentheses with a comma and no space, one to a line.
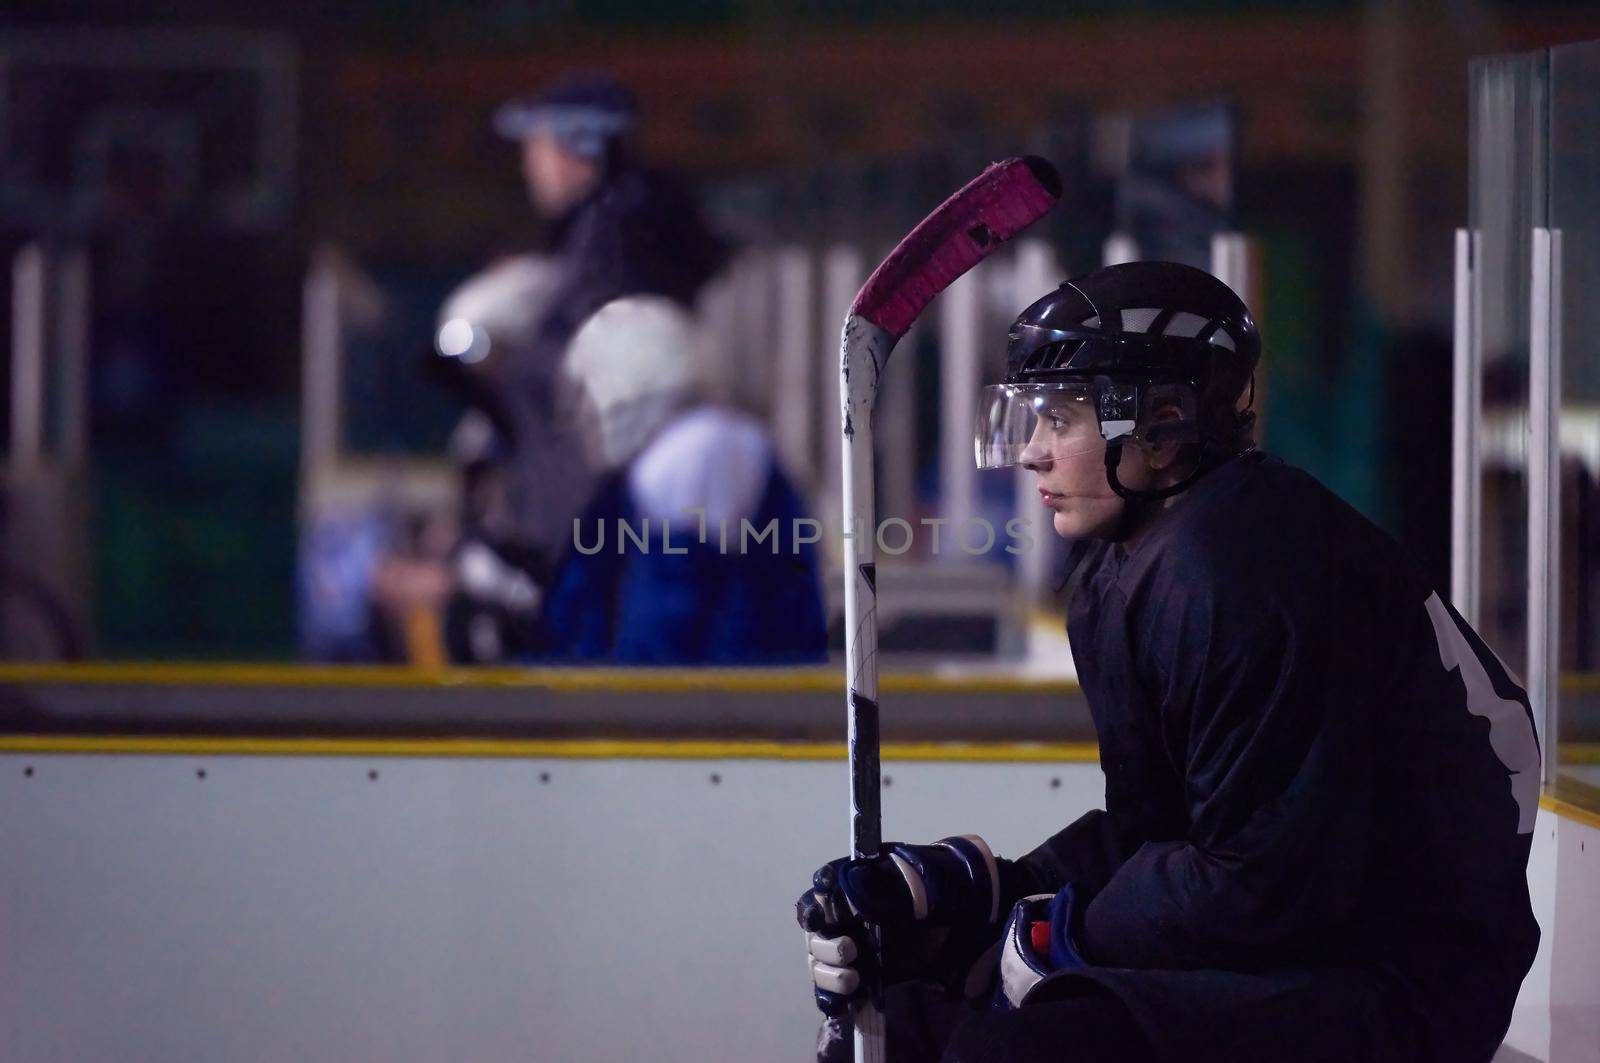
(861,628)
(843,270)
(869,1035)
(864,349)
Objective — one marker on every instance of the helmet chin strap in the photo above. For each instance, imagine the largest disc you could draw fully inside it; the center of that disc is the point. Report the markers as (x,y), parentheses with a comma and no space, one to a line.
(1137,500)
(1114,458)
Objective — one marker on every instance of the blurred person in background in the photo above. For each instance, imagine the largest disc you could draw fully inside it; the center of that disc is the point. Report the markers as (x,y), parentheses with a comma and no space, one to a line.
(612,227)
(690,477)
(500,562)
(616,226)
(409,585)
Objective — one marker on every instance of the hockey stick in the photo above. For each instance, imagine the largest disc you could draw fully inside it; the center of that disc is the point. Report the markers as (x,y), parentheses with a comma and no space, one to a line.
(1000,202)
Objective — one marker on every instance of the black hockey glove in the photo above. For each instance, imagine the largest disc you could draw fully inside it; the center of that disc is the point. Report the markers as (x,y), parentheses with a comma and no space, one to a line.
(937,908)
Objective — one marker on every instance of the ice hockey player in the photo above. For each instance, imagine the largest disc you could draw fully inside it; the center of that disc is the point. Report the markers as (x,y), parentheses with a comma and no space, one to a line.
(1320,782)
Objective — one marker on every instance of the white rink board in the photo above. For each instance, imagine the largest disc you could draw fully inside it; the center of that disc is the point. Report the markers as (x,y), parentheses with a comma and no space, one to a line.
(1574,985)
(1557,1017)
(292,908)
(1530,1019)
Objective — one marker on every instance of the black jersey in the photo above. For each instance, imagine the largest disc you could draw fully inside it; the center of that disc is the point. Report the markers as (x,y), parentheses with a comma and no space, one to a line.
(1320,787)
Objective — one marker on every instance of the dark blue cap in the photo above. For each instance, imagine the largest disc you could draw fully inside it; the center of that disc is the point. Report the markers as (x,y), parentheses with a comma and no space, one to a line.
(587,113)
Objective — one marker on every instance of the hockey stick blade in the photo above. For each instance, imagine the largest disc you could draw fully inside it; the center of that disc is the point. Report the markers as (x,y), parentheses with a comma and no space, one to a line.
(992,208)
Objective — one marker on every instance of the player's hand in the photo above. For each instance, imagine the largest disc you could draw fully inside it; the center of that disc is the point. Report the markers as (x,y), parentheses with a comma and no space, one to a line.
(1038,942)
(936,906)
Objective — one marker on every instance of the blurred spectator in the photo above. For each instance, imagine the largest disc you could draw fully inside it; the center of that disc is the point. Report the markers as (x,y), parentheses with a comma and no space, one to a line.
(696,482)
(1177,190)
(613,228)
(500,563)
(617,227)
(409,586)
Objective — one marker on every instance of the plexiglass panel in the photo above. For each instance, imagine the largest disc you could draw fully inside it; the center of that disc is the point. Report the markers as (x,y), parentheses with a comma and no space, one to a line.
(1574,212)
(1507,201)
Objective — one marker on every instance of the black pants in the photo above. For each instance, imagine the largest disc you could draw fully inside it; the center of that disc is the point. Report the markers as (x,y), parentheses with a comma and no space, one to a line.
(925,1027)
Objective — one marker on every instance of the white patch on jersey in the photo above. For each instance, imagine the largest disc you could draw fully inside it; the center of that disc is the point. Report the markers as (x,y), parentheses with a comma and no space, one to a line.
(709,458)
(1511,734)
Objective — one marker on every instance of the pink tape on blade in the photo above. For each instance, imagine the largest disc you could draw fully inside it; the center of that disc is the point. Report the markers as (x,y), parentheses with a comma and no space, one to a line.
(993,207)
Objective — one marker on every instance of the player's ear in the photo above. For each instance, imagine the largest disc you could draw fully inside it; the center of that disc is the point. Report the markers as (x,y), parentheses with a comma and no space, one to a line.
(1163,456)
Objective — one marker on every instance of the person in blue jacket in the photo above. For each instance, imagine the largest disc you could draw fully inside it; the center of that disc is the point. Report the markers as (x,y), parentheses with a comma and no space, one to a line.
(696,548)
(1321,784)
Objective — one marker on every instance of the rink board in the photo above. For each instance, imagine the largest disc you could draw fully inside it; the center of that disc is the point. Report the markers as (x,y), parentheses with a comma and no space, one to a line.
(616,901)
(486,908)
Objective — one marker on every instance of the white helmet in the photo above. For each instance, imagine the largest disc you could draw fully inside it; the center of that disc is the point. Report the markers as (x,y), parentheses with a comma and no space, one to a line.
(638,361)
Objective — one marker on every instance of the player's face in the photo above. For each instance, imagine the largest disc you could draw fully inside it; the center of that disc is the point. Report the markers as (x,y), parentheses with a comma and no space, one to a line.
(1068,457)
(556,178)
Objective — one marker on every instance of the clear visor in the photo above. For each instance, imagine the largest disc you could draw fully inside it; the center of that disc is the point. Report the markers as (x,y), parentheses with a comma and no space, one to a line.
(1021,423)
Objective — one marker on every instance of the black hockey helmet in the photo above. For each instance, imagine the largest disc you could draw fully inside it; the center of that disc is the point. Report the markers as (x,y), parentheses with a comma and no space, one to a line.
(1121,342)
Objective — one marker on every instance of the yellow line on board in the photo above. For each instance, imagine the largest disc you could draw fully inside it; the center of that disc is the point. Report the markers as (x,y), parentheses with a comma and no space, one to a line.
(579,748)
(1566,798)
(1579,683)
(555,748)
(1566,809)
(561,680)
(564,680)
